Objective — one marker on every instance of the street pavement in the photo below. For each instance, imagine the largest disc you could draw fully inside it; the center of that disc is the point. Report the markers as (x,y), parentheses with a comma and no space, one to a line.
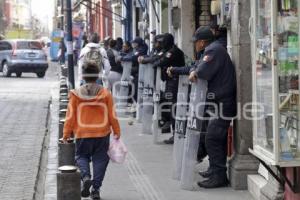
(146,174)
(24,107)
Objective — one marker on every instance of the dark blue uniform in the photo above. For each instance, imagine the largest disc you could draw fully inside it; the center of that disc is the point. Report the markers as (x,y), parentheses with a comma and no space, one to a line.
(141,50)
(216,67)
(173,57)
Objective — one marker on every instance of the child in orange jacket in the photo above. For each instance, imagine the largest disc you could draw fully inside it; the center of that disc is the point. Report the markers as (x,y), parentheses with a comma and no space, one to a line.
(91,116)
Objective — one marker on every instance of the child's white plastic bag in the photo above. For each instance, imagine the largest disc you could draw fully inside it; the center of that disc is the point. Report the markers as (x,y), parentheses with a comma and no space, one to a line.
(117,151)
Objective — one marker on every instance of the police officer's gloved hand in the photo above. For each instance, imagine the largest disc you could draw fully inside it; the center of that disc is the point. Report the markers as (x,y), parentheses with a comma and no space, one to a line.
(169,71)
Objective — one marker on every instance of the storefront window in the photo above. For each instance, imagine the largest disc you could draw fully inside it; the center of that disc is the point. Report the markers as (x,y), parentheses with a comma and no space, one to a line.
(264,130)
(288,79)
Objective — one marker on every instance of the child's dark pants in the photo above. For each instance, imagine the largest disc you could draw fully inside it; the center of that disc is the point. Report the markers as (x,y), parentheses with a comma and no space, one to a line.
(92,150)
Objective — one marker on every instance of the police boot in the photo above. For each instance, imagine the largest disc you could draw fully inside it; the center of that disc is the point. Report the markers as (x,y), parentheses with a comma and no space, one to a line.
(206,174)
(170,140)
(202,153)
(215,181)
(166,130)
(165,127)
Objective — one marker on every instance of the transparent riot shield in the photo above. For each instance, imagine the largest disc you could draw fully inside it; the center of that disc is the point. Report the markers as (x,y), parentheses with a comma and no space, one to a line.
(148,99)
(191,145)
(124,95)
(156,130)
(140,92)
(180,124)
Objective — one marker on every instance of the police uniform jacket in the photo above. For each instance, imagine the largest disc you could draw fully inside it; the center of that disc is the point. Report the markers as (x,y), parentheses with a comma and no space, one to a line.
(140,51)
(216,67)
(172,57)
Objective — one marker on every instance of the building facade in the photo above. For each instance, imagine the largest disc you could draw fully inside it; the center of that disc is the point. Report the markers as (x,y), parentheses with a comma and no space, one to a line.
(182,18)
(97,16)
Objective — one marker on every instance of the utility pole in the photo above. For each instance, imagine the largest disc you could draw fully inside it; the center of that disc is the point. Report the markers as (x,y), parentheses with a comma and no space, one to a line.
(70,45)
(62,13)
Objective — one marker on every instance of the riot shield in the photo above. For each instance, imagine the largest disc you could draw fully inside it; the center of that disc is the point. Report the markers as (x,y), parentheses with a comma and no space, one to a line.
(148,99)
(180,124)
(140,92)
(191,145)
(124,95)
(156,130)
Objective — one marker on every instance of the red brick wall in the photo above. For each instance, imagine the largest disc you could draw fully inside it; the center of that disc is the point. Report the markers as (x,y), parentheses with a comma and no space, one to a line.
(99,19)
(289,195)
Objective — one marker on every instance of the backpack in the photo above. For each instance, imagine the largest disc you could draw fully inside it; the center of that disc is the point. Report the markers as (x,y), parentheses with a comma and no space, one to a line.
(94,55)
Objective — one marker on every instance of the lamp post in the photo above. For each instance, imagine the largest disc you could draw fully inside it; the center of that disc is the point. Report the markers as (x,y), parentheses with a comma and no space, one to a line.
(70,45)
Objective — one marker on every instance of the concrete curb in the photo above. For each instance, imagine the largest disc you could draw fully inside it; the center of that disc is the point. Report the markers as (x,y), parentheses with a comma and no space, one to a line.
(41,176)
(50,185)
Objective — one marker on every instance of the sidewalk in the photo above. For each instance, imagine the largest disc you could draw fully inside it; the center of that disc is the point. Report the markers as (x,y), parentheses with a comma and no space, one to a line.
(146,174)
(153,164)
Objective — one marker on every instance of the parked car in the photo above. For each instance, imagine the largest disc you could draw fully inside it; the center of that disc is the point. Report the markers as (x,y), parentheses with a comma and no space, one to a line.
(22,56)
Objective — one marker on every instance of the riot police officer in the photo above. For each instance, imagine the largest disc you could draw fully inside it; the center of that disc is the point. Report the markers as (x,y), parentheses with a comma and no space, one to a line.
(172,56)
(219,32)
(140,48)
(156,52)
(216,67)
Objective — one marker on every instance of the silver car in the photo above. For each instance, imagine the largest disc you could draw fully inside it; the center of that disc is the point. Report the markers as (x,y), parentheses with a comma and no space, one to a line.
(18,56)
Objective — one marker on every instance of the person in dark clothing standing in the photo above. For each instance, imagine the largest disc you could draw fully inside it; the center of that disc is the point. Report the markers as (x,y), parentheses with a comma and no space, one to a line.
(140,48)
(116,70)
(85,40)
(62,51)
(127,48)
(216,67)
(120,43)
(156,52)
(173,56)
(106,42)
(176,71)
(220,33)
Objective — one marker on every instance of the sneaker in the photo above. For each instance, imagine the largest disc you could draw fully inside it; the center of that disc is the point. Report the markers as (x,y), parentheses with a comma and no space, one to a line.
(95,195)
(87,183)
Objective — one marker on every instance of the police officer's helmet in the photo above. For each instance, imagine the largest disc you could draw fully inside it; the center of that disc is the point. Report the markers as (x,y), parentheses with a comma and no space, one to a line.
(158,38)
(203,33)
(168,41)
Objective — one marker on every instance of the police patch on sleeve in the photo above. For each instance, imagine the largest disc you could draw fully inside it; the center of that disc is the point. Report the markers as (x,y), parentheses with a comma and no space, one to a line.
(136,53)
(206,58)
(161,53)
(168,55)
